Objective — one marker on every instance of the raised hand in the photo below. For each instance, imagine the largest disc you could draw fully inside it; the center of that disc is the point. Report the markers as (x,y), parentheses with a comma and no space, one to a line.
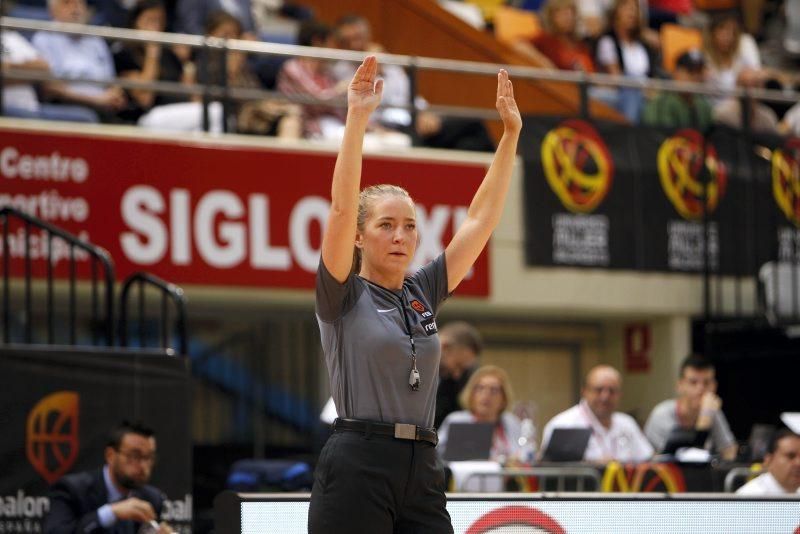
(506,105)
(364,93)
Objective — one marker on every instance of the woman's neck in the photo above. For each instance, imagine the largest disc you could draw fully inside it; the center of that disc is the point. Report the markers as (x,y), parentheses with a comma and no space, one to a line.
(393,281)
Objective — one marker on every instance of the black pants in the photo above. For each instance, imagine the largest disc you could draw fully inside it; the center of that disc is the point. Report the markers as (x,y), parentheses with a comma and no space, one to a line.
(377,484)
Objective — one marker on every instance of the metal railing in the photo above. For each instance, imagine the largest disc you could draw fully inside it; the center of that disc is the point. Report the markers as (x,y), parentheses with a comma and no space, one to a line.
(169,292)
(413,65)
(562,475)
(96,256)
(736,474)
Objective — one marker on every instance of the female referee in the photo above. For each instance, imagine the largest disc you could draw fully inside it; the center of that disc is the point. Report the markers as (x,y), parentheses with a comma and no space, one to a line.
(378,472)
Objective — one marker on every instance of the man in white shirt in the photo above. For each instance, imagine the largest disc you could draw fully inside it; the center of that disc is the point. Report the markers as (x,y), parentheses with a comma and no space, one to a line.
(615,435)
(782,466)
(79,57)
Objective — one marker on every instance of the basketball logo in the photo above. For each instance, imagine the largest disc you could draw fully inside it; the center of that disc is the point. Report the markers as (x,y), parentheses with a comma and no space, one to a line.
(577,165)
(644,477)
(680,165)
(786,180)
(51,439)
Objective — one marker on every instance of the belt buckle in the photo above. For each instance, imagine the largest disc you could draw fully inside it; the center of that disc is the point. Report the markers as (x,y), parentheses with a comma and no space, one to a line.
(403,431)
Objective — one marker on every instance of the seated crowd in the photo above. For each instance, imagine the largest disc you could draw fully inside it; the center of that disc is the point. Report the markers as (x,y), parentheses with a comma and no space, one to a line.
(616,37)
(690,426)
(314,90)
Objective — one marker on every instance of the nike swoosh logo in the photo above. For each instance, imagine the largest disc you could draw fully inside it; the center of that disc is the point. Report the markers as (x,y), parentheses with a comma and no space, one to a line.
(385,311)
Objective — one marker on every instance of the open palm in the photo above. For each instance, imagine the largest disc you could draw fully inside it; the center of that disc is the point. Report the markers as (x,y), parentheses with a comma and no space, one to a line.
(506,104)
(364,93)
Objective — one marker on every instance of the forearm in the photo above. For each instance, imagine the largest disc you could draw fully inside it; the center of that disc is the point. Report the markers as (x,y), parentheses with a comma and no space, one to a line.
(62,92)
(347,172)
(340,231)
(487,204)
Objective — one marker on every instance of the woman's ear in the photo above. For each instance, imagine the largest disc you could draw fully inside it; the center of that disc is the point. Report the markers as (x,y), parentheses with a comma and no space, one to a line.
(359,240)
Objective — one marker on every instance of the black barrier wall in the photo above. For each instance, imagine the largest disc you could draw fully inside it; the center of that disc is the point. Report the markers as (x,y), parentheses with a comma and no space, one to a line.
(626,197)
(56,408)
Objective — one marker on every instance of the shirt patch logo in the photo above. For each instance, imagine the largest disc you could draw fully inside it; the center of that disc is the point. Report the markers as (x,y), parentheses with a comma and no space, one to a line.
(420,308)
(429,326)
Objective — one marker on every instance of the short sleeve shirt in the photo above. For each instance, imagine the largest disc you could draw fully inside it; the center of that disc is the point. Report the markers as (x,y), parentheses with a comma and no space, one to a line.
(367,347)
(77,57)
(623,442)
(664,418)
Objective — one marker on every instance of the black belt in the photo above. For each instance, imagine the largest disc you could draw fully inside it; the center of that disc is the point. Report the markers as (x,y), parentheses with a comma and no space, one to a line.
(396,430)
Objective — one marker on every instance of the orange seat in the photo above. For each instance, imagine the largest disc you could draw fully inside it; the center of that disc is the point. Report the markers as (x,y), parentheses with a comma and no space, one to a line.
(512,24)
(675,40)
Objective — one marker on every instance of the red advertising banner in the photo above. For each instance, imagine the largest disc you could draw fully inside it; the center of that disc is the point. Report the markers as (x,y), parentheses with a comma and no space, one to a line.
(199,212)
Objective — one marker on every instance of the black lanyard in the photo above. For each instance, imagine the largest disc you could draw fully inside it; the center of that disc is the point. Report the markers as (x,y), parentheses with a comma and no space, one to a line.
(414,380)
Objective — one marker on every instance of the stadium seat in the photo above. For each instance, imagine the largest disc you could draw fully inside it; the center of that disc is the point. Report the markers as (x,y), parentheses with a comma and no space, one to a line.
(675,40)
(512,24)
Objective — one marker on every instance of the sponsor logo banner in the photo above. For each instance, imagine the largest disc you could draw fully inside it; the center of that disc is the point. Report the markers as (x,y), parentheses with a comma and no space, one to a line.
(199,213)
(626,197)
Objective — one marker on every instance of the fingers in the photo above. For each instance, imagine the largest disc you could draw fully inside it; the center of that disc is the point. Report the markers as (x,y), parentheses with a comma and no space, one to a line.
(379,87)
(368,69)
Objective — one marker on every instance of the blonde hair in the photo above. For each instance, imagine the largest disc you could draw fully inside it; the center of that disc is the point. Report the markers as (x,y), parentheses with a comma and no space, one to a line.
(466,395)
(550,7)
(366,199)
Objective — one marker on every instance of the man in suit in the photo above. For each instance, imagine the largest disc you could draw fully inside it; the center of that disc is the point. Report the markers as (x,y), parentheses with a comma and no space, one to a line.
(114,498)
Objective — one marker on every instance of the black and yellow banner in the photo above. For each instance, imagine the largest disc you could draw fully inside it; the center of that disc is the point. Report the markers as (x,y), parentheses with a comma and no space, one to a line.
(622,197)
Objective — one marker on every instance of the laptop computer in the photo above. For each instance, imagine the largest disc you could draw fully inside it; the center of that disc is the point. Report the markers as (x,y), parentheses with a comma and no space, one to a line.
(567,444)
(469,441)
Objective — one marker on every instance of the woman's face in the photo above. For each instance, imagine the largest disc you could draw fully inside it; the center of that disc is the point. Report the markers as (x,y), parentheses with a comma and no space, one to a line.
(488,398)
(564,20)
(153,19)
(724,36)
(389,238)
(628,15)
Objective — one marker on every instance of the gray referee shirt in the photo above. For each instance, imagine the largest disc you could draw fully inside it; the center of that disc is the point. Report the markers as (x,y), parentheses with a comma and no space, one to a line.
(367,346)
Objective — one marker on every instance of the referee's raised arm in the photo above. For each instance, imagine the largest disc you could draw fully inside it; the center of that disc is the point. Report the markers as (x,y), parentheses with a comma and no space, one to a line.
(363,96)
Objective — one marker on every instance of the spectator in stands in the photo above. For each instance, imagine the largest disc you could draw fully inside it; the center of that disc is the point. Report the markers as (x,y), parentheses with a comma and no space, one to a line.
(615,435)
(461,348)
(192,16)
(149,62)
(731,55)
(78,56)
(353,32)
(258,117)
(559,45)
(679,109)
(782,466)
(485,399)
(19,96)
(696,408)
(114,498)
(623,52)
(311,77)
(593,21)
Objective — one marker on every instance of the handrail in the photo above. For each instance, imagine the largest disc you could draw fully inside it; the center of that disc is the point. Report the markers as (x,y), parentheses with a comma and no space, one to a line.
(736,473)
(579,473)
(421,63)
(96,253)
(168,291)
